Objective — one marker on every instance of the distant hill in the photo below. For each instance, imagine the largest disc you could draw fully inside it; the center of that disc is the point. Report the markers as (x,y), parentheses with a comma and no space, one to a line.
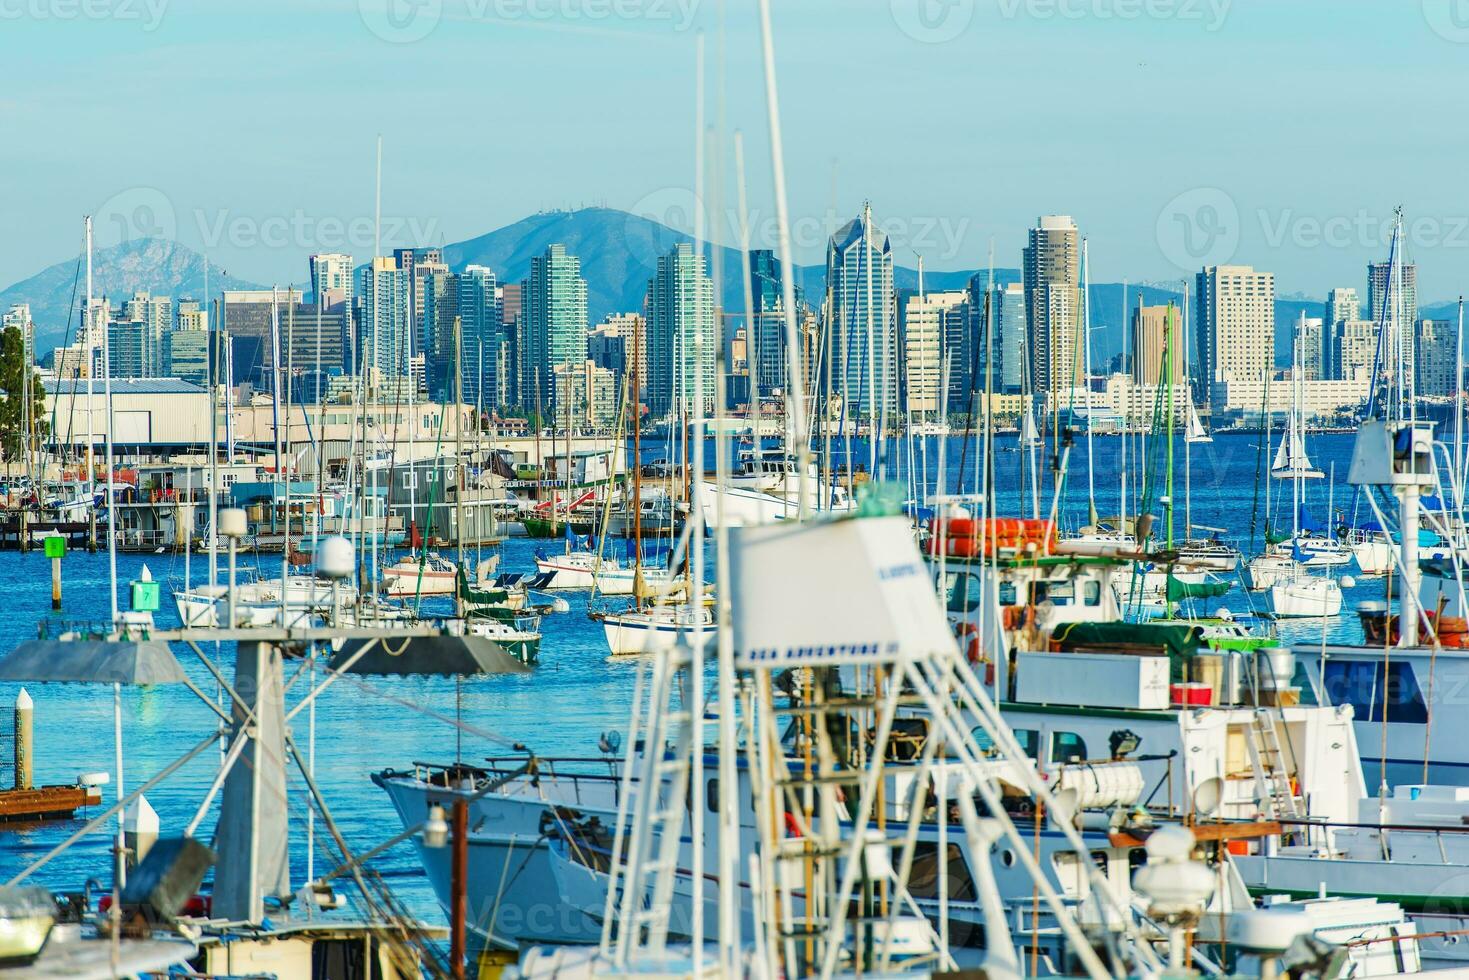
(619,254)
(151,264)
(618,251)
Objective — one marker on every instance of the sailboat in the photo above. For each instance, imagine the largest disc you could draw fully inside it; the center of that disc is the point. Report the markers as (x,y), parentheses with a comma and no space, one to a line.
(1196,432)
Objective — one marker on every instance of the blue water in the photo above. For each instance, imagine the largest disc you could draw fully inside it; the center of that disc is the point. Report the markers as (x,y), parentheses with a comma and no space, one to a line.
(573,695)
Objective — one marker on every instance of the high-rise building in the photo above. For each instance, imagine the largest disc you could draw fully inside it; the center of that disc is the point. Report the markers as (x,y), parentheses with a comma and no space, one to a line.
(512,359)
(191,315)
(1153,327)
(1436,347)
(1351,351)
(186,346)
(1394,307)
(154,316)
(246,316)
(19,317)
(385,323)
(331,279)
(863,327)
(554,309)
(1314,345)
(766,340)
(935,331)
(681,336)
(1341,304)
(621,329)
(1051,272)
(588,392)
(1007,326)
(1235,320)
(482,337)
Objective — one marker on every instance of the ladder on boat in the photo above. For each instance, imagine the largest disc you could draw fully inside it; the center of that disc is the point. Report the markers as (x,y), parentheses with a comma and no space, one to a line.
(1272,772)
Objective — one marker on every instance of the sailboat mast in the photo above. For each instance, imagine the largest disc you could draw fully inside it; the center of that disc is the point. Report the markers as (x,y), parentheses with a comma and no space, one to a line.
(1188,434)
(459,480)
(1086,380)
(91,370)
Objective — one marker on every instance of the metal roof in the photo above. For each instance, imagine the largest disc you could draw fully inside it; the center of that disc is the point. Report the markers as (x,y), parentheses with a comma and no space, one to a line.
(125,386)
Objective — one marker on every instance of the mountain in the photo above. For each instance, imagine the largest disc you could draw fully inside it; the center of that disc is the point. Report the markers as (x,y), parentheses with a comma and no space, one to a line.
(151,264)
(619,254)
(618,251)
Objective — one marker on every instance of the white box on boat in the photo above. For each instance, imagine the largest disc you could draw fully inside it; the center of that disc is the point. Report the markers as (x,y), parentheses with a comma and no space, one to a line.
(1093,680)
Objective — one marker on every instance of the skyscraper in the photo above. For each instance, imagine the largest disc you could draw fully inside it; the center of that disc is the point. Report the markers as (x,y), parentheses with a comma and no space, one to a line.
(1436,349)
(1341,304)
(863,327)
(1152,327)
(1008,334)
(1394,307)
(1351,350)
(622,327)
(1051,272)
(554,308)
(481,337)
(681,335)
(331,279)
(385,324)
(934,330)
(186,347)
(1313,347)
(1235,320)
(766,340)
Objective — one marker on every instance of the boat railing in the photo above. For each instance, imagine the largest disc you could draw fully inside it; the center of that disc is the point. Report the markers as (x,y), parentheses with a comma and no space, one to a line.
(448,774)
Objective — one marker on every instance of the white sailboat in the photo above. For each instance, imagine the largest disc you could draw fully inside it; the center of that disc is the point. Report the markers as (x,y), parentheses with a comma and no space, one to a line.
(1196,432)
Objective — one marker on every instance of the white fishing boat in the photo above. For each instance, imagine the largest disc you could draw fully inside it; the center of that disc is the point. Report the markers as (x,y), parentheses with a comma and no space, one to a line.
(1302,594)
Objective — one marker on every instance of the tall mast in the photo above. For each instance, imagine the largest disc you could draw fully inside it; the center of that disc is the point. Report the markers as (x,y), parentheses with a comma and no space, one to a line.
(1086,380)
(91,366)
(371,476)
(213,368)
(1188,440)
(459,480)
(795,384)
(637,475)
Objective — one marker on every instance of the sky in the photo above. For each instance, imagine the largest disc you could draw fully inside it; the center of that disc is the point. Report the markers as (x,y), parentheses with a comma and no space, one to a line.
(1178,133)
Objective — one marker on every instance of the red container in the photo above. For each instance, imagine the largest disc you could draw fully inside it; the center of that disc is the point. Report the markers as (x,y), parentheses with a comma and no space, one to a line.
(1191,694)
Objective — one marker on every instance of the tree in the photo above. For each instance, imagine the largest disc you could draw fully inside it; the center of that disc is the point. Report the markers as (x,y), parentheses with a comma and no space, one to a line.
(12,382)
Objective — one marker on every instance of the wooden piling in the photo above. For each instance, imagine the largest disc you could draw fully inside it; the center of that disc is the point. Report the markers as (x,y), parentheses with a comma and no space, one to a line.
(24,750)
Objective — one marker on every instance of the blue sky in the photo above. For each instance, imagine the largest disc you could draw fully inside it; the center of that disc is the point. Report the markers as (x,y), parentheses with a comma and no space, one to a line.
(1279,133)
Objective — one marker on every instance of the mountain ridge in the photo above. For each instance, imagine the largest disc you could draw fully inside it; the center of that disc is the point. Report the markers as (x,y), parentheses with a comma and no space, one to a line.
(618,251)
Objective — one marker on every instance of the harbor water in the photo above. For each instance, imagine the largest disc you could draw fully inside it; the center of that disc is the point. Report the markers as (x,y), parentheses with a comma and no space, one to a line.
(575,693)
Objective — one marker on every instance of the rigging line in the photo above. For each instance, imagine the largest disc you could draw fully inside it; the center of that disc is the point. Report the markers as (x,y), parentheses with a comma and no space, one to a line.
(463,726)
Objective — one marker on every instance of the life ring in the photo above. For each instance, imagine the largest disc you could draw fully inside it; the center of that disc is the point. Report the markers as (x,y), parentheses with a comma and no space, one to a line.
(968,637)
